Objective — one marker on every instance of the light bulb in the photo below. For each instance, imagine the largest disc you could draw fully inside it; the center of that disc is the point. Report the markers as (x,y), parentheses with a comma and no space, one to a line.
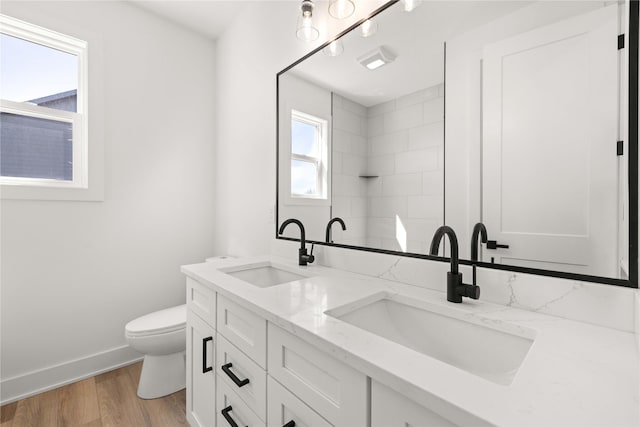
(368,28)
(305,30)
(334,48)
(409,5)
(341,9)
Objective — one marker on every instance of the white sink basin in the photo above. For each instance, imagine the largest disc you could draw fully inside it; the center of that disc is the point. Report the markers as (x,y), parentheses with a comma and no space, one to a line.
(488,348)
(262,275)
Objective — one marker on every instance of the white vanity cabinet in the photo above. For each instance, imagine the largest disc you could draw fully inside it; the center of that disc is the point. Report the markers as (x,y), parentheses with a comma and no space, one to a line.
(200,355)
(241,393)
(245,371)
(335,391)
(391,409)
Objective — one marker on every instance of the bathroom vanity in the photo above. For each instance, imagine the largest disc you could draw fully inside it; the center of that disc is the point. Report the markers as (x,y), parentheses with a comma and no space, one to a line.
(272,343)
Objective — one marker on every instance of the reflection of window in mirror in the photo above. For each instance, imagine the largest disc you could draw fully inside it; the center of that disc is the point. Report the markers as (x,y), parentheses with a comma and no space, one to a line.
(308,156)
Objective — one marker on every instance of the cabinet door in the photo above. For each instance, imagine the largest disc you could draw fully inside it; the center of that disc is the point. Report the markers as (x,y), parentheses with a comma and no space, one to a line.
(334,390)
(391,409)
(287,410)
(200,373)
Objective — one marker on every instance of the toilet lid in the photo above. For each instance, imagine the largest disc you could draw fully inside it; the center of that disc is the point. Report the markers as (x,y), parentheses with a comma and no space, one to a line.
(158,322)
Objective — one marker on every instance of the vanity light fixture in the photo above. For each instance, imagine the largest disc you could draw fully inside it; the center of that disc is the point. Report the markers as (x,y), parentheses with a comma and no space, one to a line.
(306,31)
(334,48)
(368,28)
(376,58)
(341,9)
(409,5)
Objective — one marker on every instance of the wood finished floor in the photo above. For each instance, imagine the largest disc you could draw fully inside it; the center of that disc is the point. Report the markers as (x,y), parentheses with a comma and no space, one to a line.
(106,400)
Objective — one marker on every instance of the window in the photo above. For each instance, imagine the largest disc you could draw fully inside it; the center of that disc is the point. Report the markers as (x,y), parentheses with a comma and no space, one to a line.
(309,156)
(43,107)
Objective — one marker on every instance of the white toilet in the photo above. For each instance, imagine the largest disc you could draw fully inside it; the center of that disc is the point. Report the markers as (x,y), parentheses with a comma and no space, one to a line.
(161,337)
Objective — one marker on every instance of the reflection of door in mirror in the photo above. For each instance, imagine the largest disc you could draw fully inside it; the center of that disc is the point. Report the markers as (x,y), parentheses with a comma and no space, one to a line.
(388,170)
(550,126)
(533,108)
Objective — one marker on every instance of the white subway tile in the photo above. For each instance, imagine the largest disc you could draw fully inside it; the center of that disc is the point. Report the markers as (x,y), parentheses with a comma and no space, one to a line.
(358,207)
(417,160)
(336,163)
(340,205)
(381,228)
(416,97)
(353,165)
(433,183)
(433,110)
(404,118)
(375,126)
(354,107)
(344,185)
(346,121)
(374,186)
(422,229)
(359,145)
(402,184)
(426,207)
(429,135)
(381,164)
(377,110)
(341,141)
(387,207)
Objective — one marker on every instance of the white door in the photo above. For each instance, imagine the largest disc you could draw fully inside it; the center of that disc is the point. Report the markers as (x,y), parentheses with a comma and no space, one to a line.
(550,116)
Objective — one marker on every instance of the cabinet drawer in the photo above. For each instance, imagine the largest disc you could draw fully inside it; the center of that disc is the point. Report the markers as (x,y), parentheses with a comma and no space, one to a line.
(227,401)
(336,391)
(391,409)
(243,328)
(254,392)
(284,407)
(202,301)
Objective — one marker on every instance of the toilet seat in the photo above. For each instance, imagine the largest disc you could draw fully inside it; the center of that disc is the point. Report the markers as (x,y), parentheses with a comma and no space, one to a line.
(159,322)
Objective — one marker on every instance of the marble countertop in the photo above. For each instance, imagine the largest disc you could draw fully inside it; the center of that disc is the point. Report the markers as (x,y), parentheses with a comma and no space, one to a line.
(574,374)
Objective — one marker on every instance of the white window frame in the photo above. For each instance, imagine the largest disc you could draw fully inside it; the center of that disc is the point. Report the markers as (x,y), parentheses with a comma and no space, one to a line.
(78,120)
(321,160)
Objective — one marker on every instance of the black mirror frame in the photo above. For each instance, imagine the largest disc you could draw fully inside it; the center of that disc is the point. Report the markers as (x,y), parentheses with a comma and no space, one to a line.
(632,282)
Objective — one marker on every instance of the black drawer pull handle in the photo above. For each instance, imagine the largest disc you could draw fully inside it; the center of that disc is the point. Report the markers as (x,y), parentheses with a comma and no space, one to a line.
(225,414)
(227,370)
(290,424)
(205,368)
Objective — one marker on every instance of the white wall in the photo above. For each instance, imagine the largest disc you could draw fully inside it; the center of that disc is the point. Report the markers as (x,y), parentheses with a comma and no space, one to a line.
(74,273)
(306,97)
(260,43)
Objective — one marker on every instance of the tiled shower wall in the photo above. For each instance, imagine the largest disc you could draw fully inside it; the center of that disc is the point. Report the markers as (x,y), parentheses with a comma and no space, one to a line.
(350,152)
(388,170)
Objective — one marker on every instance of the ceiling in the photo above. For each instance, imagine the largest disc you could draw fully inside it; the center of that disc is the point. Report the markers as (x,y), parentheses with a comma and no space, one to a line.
(207,17)
(417,38)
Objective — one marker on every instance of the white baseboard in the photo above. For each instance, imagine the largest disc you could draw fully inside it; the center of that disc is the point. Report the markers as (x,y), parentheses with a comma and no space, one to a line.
(29,384)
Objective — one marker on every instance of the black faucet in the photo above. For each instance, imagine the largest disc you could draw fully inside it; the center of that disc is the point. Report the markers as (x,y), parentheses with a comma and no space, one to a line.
(303,258)
(455,288)
(327,237)
(478,230)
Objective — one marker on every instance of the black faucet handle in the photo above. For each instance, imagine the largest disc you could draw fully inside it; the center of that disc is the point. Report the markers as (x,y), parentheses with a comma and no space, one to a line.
(469,291)
(304,258)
